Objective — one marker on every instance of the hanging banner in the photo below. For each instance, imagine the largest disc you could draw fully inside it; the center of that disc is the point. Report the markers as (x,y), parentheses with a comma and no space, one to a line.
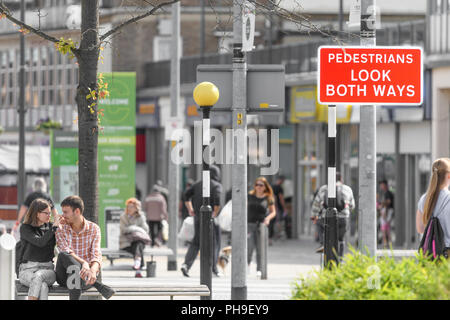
(116,148)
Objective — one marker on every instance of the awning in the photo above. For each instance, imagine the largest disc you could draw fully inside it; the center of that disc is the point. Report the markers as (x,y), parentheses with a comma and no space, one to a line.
(37,159)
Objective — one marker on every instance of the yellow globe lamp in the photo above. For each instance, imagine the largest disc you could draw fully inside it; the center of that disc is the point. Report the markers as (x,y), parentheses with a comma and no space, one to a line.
(206,94)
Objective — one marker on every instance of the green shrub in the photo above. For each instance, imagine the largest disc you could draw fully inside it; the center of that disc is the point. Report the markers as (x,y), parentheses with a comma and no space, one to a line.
(360,277)
(47,125)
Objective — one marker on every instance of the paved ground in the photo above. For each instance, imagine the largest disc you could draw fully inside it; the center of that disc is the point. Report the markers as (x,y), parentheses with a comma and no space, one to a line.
(286,261)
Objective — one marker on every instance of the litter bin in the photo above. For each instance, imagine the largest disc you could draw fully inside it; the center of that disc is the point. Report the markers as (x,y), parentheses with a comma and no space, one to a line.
(151,269)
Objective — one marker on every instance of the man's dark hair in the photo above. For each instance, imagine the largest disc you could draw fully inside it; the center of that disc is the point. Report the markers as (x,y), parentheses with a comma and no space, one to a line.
(75,202)
(338,176)
(384,182)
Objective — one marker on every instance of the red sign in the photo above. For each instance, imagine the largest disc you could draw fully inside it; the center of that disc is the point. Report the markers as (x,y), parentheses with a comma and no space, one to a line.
(376,75)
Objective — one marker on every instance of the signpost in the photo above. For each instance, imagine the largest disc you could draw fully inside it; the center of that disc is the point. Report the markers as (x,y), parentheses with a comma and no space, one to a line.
(377,75)
(369,76)
(265,87)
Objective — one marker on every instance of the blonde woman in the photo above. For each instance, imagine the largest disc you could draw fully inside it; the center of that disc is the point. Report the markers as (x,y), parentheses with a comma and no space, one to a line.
(436,202)
(37,233)
(260,209)
(134,233)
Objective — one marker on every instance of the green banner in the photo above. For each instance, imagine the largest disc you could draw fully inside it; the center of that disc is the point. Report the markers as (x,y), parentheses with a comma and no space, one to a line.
(116,152)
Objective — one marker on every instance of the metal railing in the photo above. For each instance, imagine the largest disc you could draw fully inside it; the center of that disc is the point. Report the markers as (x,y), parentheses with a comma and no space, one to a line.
(296,58)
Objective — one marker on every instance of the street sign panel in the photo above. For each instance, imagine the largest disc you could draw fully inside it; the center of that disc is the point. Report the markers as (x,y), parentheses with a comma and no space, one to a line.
(265,87)
(370,75)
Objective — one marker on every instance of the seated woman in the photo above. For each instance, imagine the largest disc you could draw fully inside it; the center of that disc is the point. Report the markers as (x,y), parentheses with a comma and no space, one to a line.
(36,270)
(134,233)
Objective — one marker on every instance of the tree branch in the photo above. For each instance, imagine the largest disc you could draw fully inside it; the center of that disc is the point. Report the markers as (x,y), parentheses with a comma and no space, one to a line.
(136,19)
(7,14)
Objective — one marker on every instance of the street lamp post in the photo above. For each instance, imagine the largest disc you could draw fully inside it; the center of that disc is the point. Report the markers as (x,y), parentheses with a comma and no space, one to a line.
(206,95)
(21,175)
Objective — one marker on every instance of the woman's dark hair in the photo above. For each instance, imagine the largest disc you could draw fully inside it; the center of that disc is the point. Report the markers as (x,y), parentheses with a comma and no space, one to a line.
(36,206)
(75,202)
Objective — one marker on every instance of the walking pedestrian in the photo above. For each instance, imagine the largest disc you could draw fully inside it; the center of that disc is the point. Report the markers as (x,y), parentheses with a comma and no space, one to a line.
(134,233)
(162,189)
(37,235)
(386,209)
(260,209)
(78,242)
(345,203)
(436,201)
(194,197)
(155,207)
(39,191)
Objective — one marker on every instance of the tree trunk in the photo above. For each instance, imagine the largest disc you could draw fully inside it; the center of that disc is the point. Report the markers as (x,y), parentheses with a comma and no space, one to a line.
(87,121)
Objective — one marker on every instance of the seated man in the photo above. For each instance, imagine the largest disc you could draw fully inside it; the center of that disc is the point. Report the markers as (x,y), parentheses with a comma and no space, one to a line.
(78,241)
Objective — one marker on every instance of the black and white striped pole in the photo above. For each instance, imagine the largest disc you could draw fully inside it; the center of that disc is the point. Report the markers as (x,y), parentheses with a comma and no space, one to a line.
(206,95)
(331,230)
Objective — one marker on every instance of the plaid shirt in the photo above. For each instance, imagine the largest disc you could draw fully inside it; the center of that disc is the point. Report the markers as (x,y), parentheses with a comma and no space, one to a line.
(318,208)
(85,244)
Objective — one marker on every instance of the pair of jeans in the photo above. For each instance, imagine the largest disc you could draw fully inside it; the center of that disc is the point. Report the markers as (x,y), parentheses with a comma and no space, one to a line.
(217,245)
(194,246)
(38,276)
(137,250)
(67,275)
(152,226)
(253,239)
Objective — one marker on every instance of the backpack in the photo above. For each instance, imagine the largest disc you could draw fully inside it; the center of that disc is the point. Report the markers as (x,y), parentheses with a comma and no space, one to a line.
(340,202)
(20,250)
(432,243)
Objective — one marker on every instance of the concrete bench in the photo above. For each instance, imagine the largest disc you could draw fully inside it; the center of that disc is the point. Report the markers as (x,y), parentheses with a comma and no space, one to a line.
(396,254)
(112,254)
(126,290)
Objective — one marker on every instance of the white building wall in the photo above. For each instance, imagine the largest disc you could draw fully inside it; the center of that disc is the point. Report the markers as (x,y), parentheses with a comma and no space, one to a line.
(440,128)
(400,7)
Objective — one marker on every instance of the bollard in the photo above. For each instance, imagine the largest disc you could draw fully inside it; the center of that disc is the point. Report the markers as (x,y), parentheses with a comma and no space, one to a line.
(206,248)
(151,269)
(331,237)
(263,245)
(7,266)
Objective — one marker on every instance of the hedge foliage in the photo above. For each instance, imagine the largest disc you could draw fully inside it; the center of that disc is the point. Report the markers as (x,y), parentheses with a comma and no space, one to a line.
(360,277)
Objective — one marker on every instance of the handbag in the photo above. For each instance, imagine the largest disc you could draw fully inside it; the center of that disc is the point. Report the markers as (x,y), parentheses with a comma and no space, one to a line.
(187,230)
(165,230)
(138,234)
(224,219)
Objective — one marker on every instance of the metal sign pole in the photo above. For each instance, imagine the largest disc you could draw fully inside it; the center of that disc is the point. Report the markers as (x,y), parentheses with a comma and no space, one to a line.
(239,167)
(367,232)
(174,169)
(21,176)
(331,235)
